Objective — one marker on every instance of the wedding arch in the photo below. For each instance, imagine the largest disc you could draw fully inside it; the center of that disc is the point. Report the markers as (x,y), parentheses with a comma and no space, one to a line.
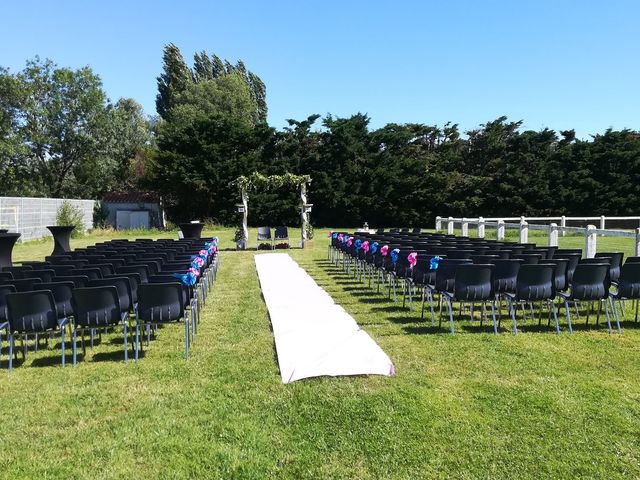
(257,180)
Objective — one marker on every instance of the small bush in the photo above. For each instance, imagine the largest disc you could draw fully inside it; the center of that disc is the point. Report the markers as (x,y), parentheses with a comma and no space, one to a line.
(70,215)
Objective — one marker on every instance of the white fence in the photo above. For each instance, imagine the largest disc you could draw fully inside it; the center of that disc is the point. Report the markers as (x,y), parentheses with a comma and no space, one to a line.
(590,232)
(30,216)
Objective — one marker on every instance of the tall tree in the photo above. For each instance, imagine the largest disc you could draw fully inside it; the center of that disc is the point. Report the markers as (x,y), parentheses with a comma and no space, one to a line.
(175,78)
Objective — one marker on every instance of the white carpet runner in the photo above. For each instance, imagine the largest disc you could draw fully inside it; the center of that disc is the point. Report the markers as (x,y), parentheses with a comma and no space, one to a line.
(314,336)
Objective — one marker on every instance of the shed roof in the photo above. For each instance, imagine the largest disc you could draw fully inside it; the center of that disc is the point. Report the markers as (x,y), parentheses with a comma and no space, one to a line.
(131,197)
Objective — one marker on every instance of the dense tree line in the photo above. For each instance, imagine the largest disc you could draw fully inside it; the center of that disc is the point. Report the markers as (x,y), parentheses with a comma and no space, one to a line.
(61,136)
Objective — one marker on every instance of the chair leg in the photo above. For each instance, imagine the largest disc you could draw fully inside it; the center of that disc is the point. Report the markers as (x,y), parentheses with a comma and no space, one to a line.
(555,316)
(566,306)
(615,313)
(136,341)
(75,345)
(449,304)
(512,309)
(62,340)
(126,347)
(606,312)
(186,338)
(493,315)
(10,351)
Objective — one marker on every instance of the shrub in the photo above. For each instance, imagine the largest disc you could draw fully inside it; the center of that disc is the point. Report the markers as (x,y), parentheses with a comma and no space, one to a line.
(70,215)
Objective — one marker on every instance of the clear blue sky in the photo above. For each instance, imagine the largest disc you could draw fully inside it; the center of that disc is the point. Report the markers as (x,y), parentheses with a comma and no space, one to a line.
(557,64)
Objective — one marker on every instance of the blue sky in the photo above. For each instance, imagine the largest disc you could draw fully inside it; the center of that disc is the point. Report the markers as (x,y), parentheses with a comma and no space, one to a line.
(557,64)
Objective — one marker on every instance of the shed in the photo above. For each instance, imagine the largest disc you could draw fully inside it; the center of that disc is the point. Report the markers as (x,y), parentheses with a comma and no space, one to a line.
(128,210)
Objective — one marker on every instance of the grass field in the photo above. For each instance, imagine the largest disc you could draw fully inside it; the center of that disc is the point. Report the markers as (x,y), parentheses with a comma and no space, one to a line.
(473,405)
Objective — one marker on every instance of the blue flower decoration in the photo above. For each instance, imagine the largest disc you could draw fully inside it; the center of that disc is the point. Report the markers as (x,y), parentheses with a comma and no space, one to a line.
(335,235)
(358,244)
(394,255)
(374,247)
(434,262)
(344,239)
(188,279)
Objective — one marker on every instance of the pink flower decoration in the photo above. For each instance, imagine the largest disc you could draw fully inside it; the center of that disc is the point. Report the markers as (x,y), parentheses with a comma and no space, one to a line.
(194,271)
(203,252)
(349,241)
(413,259)
(365,246)
(330,233)
(340,237)
(384,250)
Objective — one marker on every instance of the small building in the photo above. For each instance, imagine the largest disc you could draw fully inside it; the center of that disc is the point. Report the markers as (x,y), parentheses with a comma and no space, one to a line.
(128,210)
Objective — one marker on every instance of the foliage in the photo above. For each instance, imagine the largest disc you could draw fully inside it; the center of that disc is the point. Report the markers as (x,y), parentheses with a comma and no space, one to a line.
(61,135)
(68,215)
(207,85)
(257,180)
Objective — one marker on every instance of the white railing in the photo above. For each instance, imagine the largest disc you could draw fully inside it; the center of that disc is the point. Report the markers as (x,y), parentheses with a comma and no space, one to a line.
(590,232)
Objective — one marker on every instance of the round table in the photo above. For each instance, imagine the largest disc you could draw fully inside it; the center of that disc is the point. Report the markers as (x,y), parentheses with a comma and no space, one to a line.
(61,236)
(191,230)
(7,241)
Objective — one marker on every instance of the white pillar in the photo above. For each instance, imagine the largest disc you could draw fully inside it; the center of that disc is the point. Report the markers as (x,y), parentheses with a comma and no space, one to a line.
(590,237)
(480,227)
(553,235)
(245,215)
(465,227)
(637,249)
(602,221)
(500,230)
(563,223)
(304,216)
(438,223)
(524,231)
(450,226)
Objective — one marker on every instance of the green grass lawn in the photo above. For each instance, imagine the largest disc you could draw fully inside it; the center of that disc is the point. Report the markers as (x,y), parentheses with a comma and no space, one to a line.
(473,405)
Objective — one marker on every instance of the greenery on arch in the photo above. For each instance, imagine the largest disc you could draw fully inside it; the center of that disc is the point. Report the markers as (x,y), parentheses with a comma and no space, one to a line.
(257,180)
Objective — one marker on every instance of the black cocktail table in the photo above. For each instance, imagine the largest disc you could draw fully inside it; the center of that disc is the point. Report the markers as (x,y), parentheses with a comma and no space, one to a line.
(61,236)
(7,241)
(191,230)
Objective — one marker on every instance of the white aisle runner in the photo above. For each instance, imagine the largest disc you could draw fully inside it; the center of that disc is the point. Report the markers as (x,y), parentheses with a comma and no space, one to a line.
(314,336)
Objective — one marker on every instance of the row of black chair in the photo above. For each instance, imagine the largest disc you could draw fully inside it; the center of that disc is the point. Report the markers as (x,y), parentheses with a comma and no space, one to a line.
(479,271)
(105,285)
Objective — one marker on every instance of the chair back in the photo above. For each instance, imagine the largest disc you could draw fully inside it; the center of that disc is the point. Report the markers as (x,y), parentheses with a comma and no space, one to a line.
(96,306)
(536,282)
(473,282)
(281,233)
(629,281)
(446,273)
(123,287)
(160,302)
(264,233)
(505,275)
(33,311)
(4,291)
(589,281)
(62,293)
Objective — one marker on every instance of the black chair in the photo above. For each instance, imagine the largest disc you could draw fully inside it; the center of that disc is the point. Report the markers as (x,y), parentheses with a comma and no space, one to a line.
(264,235)
(6,277)
(92,273)
(141,270)
(123,286)
(97,307)
(444,281)
(535,283)
(615,263)
(19,272)
(44,275)
(62,293)
(79,281)
(189,297)
(4,316)
(589,284)
(33,312)
(560,274)
(25,284)
(473,284)
(281,234)
(628,287)
(632,260)
(161,303)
